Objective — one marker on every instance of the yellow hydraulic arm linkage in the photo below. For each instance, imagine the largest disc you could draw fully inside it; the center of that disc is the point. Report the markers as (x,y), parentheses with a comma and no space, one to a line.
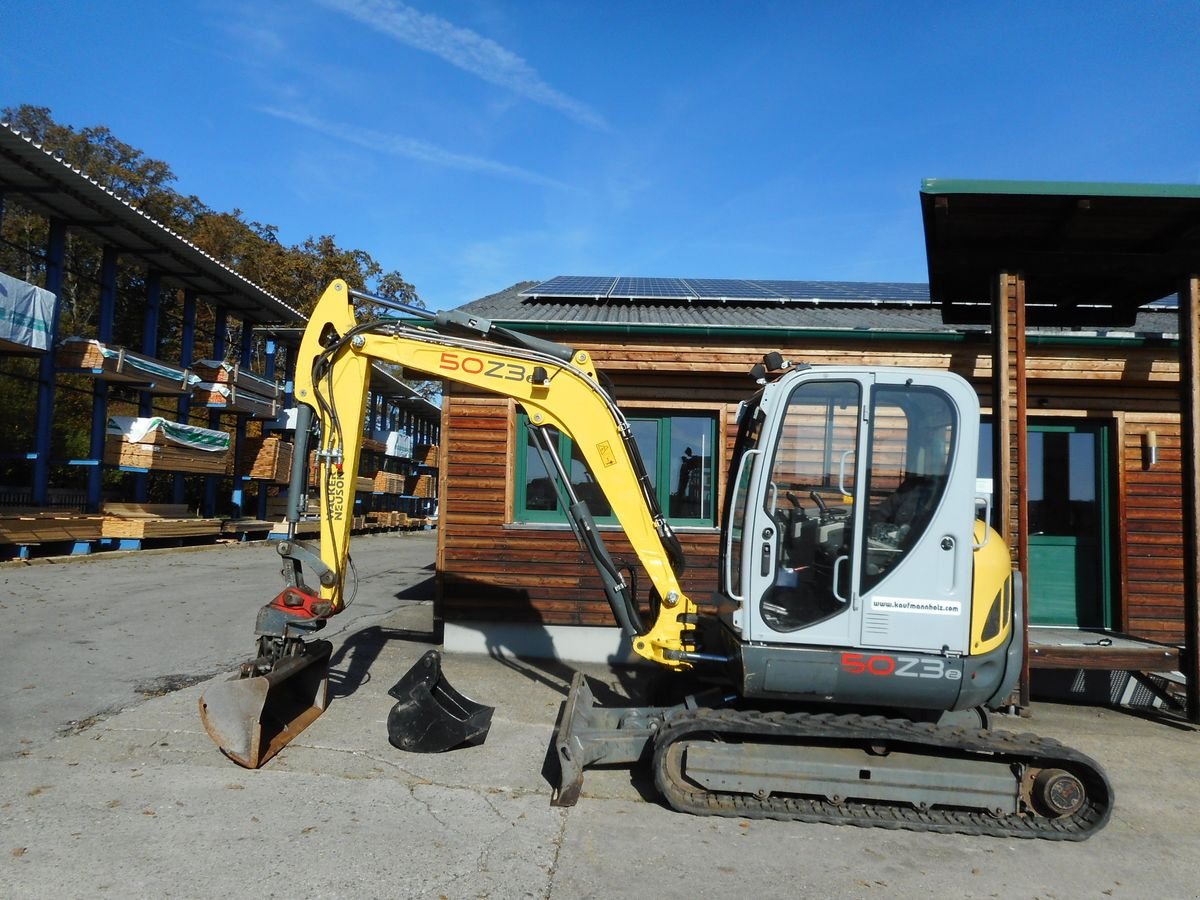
(556,386)
(278,694)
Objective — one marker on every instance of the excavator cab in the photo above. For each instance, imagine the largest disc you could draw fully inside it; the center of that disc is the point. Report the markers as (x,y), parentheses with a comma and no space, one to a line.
(850,524)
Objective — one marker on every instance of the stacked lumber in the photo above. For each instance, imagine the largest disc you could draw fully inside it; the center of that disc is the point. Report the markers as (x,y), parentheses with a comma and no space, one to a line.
(121,364)
(268,458)
(216,372)
(155,443)
(35,526)
(387,519)
(154,520)
(419,485)
(234,399)
(388,483)
(304,528)
(362,483)
(245,526)
(166,457)
(425,454)
(277,506)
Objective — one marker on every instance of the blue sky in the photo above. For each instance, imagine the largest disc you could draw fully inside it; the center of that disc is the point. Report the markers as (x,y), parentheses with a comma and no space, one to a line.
(471,144)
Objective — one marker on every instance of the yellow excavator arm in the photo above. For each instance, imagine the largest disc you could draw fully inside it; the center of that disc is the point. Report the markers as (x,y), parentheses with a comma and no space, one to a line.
(556,386)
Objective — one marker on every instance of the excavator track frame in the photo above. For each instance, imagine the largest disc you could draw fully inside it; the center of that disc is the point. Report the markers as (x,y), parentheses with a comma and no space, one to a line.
(1023,754)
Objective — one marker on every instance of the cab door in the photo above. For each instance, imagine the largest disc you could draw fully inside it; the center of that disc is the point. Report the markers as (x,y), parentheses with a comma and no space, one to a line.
(858,511)
(918,504)
(799,528)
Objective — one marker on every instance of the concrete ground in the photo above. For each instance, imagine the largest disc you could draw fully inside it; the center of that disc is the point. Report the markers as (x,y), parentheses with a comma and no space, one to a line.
(109,786)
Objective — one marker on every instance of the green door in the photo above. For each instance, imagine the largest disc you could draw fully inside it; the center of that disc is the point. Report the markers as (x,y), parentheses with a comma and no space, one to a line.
(1069,526)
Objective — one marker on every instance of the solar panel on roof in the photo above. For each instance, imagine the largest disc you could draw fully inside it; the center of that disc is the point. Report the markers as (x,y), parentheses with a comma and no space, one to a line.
(733,290)
(573,286)
(651,289)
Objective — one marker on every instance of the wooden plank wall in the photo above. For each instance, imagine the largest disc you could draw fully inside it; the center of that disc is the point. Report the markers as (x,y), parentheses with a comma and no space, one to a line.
(490,569)
(1152,534)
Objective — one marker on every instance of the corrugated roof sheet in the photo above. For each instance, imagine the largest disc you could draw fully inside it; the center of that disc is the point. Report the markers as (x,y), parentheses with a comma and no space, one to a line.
(516,305)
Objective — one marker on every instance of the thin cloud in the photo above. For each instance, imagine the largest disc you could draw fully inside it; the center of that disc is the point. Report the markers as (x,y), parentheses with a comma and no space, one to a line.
(414,148)
(468,50)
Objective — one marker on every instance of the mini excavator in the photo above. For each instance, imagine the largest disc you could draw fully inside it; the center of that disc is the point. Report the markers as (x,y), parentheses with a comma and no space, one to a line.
(866,622)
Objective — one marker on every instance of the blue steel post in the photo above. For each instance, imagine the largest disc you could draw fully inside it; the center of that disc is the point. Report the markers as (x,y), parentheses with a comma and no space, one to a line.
(271,363)
(104,334)
(141,484)
(220,323)
(187,352)
(238,499)
(56,246)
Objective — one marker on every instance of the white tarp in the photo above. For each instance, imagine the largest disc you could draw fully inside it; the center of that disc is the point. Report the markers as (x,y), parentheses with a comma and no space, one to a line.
(399,444)
(26,313)
(135,430)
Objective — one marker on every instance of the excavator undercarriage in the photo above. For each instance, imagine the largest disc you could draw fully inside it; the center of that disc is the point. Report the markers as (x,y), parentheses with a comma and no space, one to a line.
(837,768)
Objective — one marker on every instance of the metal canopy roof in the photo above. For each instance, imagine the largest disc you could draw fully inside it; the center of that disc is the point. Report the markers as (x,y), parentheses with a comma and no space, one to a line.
(48,186)
(383,382)
(1091,253)
(388,385)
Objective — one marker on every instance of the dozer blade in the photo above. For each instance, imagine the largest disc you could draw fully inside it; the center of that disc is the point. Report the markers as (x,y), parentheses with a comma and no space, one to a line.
(252,719)
(431,716)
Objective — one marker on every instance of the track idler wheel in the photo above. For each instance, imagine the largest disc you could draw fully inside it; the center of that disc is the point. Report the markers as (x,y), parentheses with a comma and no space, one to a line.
(1056,792)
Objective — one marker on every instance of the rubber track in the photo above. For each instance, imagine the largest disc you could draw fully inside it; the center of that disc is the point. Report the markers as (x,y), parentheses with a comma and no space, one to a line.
(831,729)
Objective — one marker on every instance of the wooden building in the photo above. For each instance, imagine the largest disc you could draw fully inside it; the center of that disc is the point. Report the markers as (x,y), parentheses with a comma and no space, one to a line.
(1047,298)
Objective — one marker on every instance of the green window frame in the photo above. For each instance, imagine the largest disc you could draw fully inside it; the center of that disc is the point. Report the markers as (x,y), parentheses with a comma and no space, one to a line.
(677,449)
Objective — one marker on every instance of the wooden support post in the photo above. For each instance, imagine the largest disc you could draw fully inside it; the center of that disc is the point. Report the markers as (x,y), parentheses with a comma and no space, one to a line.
(1189,388)
(1009,435)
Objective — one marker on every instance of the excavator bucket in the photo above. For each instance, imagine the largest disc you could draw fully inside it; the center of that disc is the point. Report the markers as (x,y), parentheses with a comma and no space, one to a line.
(431,716)
(252,719)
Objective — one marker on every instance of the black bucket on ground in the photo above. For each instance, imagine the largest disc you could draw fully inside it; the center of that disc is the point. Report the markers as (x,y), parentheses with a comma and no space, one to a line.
(430,715)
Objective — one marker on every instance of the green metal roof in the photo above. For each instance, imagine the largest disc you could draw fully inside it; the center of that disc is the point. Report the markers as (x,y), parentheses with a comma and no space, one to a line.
(1090,252)
(1056,188)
